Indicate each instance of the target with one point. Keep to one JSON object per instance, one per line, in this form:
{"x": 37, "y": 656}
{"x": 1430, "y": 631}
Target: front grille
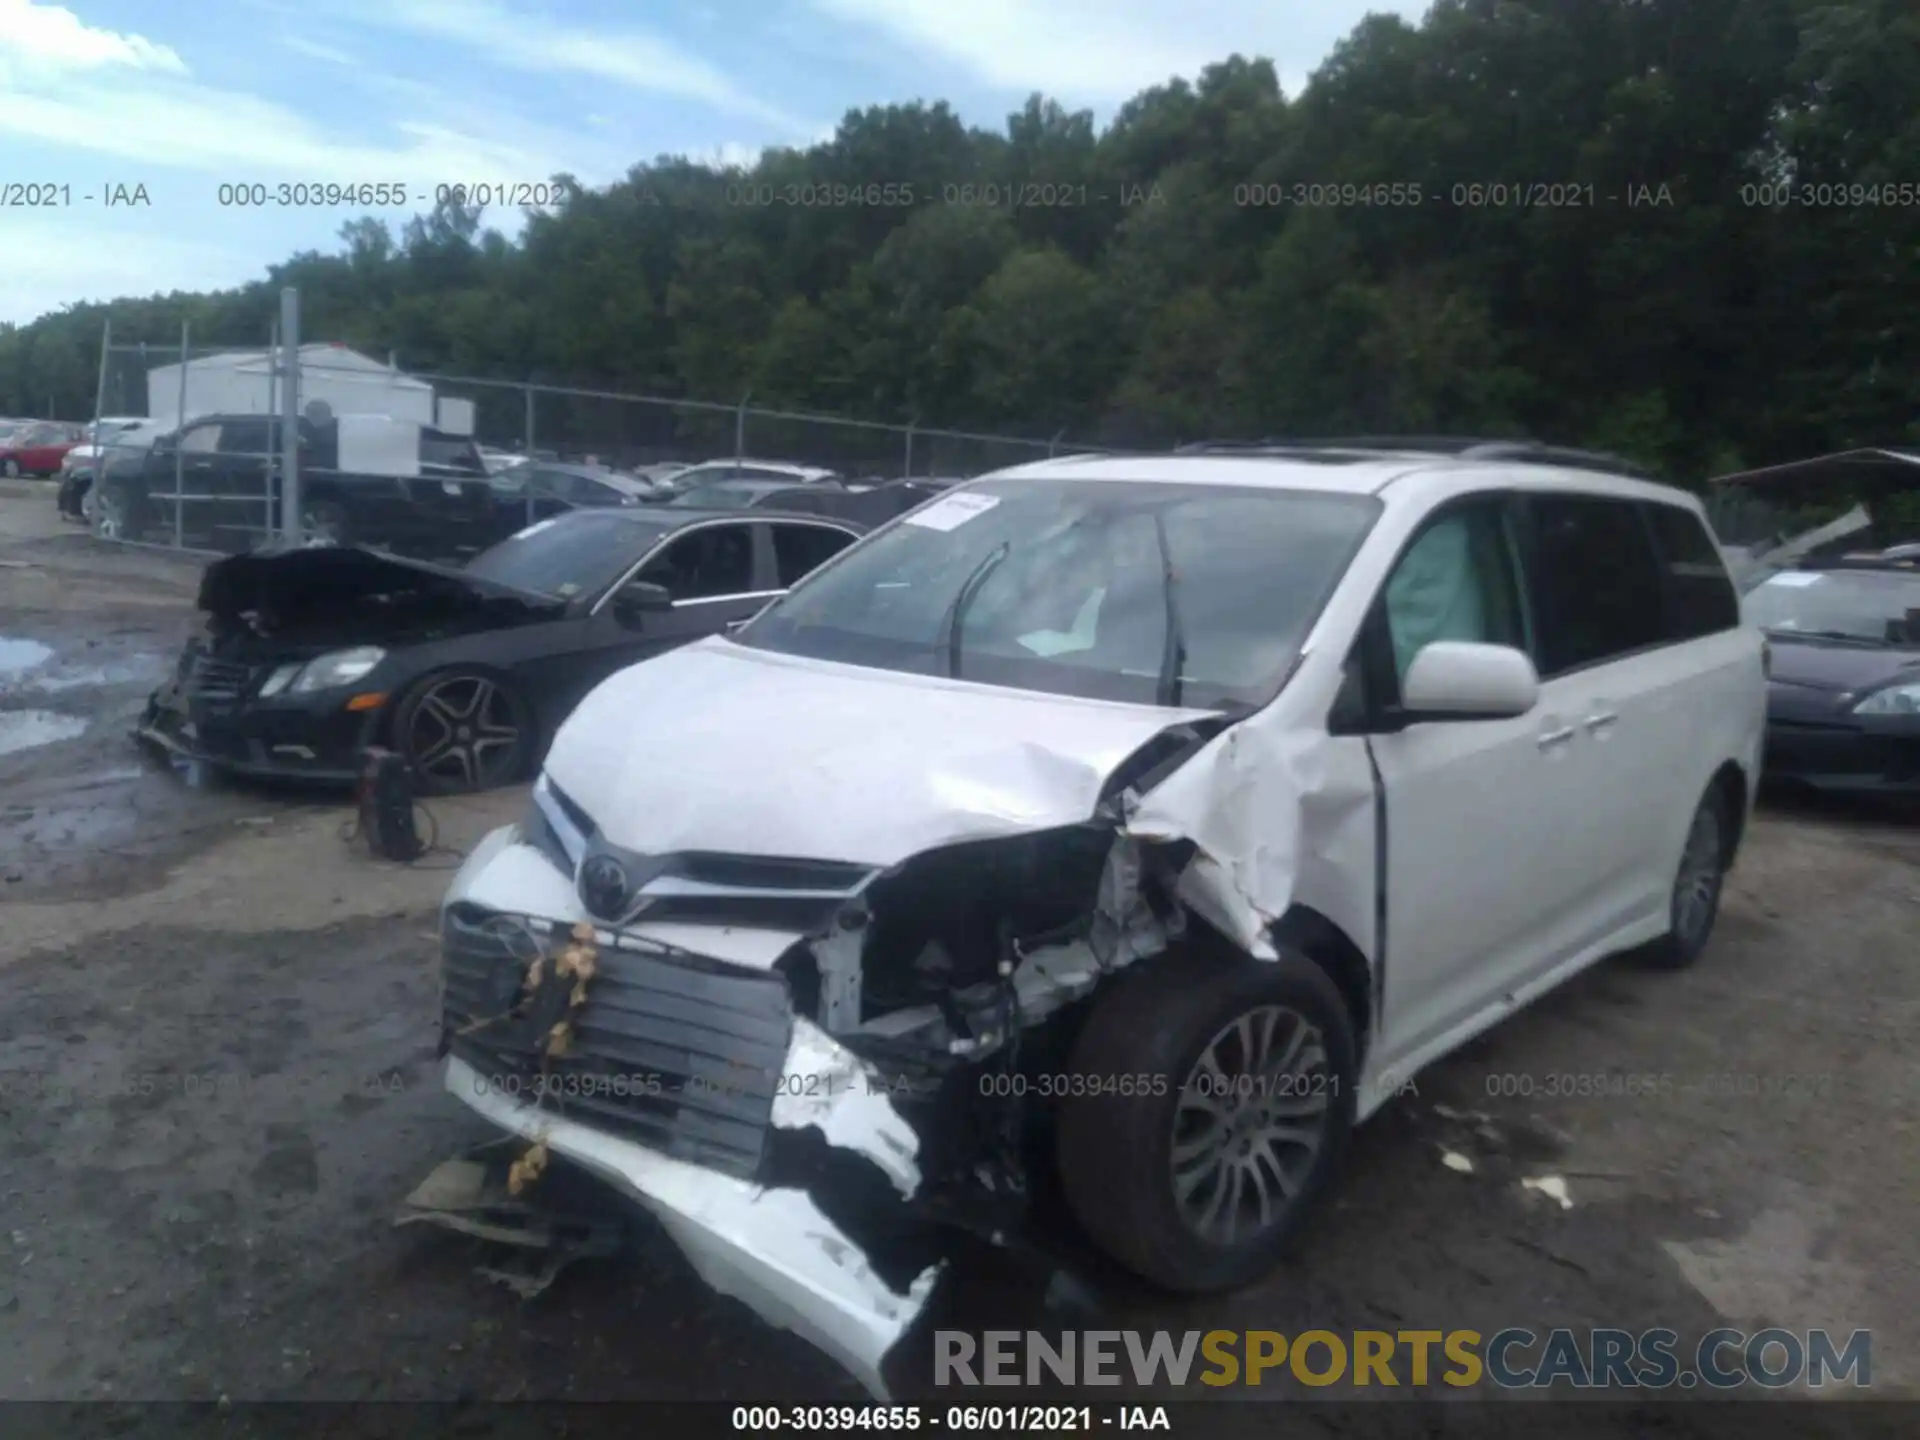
{"x": 217, "y": 680}
{"x": 673, "y": 1051}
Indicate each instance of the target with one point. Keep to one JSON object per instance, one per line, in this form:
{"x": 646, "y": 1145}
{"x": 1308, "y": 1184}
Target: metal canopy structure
{"x": 1874, "y": 467}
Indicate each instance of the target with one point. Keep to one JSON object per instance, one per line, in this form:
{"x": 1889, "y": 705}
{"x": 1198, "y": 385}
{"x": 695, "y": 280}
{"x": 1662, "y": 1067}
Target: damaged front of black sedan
{"x": 311, "y": 654}
{"x": 838, "y": 962}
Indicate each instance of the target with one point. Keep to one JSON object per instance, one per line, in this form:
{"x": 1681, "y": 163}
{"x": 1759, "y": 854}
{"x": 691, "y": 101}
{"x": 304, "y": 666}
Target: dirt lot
{"x": 216, "y": 1083}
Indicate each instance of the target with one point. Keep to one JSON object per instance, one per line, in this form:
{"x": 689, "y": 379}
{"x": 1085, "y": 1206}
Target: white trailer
{"x": 243, "y": 383}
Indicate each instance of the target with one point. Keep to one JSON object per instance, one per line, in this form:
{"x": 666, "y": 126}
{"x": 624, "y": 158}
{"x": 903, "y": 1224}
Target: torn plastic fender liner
{"x": 774, "y": 1250}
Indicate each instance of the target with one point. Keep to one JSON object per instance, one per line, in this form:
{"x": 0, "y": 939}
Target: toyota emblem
{"x": 603, "y": 886}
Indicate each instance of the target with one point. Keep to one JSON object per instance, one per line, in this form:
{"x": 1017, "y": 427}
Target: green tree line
{"x": 1683, "y": 230}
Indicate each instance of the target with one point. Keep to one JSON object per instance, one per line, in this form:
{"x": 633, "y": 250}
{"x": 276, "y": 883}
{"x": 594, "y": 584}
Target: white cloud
{"x": 182, "y": 126}
{"x": 51, "y": 38}
{"x": 316, "y": 50}
{"x": 53, "y": 262}
{"x": 543, "y": 44}
{"x": 1102, "y": 52}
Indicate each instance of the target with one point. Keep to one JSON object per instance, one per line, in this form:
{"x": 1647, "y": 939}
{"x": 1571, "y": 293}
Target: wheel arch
{"x": 1731, "y": 783}
{"x": 1313, "y": 935}
{"x": 433, "y": 668}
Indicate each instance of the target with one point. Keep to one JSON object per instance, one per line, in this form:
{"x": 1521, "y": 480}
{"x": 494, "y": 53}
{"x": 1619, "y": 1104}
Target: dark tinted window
{"x": 705, "y": 563}
{"x": 575, "y": 553}
{"x": 1700, "y": 595}
{"x": 1594, "y": 579}
{"x": 245, "y": 437}
{"x": 585, "y": 490}
{"x": 1456, "y": 581}
{"x": 800, "y": 548}
{"x": 440, "y": 451}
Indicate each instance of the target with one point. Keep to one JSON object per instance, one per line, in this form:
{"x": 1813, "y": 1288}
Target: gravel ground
{"x": 217, "y": 1082}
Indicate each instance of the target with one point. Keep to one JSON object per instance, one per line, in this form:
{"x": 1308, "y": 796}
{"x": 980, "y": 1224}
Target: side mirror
{"x": 1465, "y": 680}
{"x": 639, "y": 599}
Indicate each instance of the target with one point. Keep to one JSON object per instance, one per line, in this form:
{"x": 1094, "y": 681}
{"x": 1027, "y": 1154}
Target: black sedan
{"x": 310, "y": 655}
{"x": 1843, "y": 700}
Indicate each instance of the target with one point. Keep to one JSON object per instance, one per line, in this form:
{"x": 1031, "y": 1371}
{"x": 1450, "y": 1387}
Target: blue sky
{"x": 182, "y": 97}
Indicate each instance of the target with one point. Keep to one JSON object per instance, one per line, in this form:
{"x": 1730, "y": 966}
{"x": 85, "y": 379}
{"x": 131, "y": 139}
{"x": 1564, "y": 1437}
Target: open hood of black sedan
{"x": 348, "y": 588}
{"x": 1836, "y": 666}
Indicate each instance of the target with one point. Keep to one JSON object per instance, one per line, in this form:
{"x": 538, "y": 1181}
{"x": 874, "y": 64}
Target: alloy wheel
{"x": 1250, "y": 1120}
{"x": 464, "y": 732}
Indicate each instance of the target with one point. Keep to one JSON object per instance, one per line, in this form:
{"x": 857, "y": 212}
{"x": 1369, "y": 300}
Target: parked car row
{"x": 35, "y": 447}
{"x": 861, "y": 867}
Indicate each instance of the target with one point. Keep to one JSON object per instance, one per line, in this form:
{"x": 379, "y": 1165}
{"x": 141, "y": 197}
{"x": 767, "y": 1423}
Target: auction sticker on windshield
{"x": 950, "y": 512}
{"x": 1794, "y": 579}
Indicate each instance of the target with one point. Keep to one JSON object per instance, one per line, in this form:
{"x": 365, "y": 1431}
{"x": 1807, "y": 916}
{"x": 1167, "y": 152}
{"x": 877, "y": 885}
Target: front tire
{"x": 119, "y": 515}
{"x": 13, "y": 469}
{"x": 464, "y": 730}
{"x": 1203, "y": 1184}
{"x": 1694, "y": 904}
{"x": 326, "y": 520}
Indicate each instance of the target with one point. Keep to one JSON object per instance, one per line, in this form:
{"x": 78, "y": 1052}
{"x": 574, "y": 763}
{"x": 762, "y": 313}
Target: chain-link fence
{"x": 146, "y": 474}
{"x": 627, "y": 431}
{"x": 200, "y": 447}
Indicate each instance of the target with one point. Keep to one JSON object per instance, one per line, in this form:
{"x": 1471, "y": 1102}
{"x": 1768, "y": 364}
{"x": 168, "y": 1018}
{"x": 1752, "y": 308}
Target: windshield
{"x": 1878, "y": 606}
{"x": 578, "y": 553}
{"x": 1138, "y": 591}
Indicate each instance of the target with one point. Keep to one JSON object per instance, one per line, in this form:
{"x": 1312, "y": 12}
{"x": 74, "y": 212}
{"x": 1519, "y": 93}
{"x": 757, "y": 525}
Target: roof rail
{"x": 1525, "y": 451}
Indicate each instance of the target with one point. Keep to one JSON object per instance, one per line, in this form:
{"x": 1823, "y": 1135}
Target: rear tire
{"x": 464, "y": 730}
{"x": 1202, "y": 1183}
{"x": 13, "y": 469}
{"x": 1694, "y": 903}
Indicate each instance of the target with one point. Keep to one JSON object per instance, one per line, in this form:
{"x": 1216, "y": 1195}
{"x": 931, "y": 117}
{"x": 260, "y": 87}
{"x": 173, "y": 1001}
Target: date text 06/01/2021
{"x": 1007, "y": 1419}
{"x": 374, "y": 194}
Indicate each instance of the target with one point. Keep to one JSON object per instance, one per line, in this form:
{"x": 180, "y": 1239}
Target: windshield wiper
{"x": 1173, "y": 659}
{"x": 963, "y": 598}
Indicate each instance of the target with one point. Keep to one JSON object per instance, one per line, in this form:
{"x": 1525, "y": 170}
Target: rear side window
{"x": 800, "y": 548}
{"x": 1595, "y": 581}
{"x": 1700, "y": 596}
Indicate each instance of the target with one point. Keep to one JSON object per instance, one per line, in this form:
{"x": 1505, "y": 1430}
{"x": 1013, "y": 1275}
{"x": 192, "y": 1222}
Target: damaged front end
{"x": 270, "y": 685}
{"x": 817, "y": 1075}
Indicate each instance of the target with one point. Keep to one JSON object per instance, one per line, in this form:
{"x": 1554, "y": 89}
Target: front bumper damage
{"x": 807, "y": 1047}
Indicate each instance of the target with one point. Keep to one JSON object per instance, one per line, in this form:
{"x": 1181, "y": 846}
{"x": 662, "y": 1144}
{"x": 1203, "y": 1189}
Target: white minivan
{"x": 1121, "y": 828}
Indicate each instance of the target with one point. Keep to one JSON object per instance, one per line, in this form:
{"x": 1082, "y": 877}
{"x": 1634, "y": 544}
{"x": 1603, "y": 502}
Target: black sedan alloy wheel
{"x": 463, "y": 731}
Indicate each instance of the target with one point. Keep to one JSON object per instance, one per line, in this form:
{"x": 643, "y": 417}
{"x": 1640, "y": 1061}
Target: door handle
{"x": 1600, "y": 720}
{"x": 1550, "y": 738}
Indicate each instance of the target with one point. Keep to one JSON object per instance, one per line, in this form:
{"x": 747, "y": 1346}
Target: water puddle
{"x": 97, "y": 676}
{"x": 19, "y": 656}
{"x": 25, "y": 729}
